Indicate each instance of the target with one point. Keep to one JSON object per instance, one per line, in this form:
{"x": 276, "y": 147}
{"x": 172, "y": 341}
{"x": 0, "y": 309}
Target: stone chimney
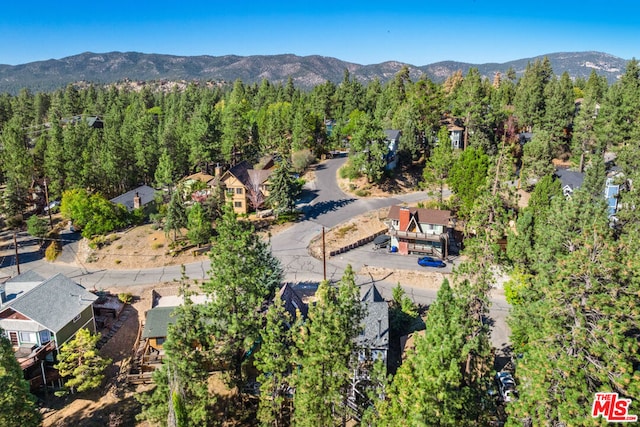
{"x": 218, "y": 170}
{"x": 136, "y": 201}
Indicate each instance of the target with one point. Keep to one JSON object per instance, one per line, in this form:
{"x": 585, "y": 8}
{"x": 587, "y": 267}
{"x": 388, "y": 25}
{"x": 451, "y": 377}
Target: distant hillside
{"x": 306, "y": 71}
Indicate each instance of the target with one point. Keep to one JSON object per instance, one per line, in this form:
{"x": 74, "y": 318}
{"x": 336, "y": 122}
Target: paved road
{"x": 324, "y": 205}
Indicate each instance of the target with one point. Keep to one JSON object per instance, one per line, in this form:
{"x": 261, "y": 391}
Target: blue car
{"x": 427, "y": 261}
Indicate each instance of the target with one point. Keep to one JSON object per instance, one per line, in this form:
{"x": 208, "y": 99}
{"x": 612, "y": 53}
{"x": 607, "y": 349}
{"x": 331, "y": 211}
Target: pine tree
{"x": 529, "y": 101}
{"x": 431, "y": 387}
{"x": 164, "y": 172}
{"x": 438, "y": 164}
{"x": 368, "y": 148}
{"x": 467, "y": 176}
{"x": 325, "y": 345}
{"x": 243, "y": 276}
{"x": 17, "y": 405}
{"x": 80, "y": 363}
{"x": 176, "y": 218}
{"x": 536, "y": 159}
{"x": 575, "y": 326}
{"x": 189, "y": 358}
{"x": 199, "y": 229}
{"x": 274, "y": 361}
{"x": 282, "y": 189}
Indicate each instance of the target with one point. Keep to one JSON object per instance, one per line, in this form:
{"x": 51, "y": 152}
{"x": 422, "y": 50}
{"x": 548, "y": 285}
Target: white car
{"x": 53, "y": 205}
{"x": 506, "y": 386}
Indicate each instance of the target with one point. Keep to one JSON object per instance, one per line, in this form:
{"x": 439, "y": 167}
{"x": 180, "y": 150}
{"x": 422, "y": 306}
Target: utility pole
{"x": 46, "y": 199}
{"x": 324, "y": 258}
{"x": 15, "y": 245}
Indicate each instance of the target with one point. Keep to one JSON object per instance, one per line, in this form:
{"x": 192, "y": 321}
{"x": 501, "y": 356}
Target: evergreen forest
{"x": 573, "y": 264}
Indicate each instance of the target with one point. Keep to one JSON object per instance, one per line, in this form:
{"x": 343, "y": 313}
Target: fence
{"x": 357, "y": 244}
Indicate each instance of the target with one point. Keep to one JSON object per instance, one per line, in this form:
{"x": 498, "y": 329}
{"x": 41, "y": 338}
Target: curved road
{"x": 324, "y": 205}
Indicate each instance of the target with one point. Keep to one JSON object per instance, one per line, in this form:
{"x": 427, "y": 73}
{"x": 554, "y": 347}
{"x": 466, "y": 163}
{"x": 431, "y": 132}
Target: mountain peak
{"x": 306, "y": 71}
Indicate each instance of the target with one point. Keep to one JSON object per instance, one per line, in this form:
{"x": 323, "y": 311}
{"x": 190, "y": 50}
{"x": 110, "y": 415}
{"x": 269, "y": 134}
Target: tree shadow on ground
{"x": 321, "y": 208}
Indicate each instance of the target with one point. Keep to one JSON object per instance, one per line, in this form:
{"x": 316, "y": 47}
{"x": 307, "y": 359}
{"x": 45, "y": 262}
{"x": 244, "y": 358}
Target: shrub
{"x": 349, "y": 171}
{"x": 53, "y": 250}
{"x": 300, "y": 160}
{"x": 362, "y": 192}
{"x": 125, "y": 297}
{"x": 157, "y": 245}
{"x": 98, "y": 242}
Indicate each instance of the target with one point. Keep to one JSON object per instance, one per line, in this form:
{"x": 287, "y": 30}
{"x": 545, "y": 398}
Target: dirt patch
{"x": 405, "y": 181}
{"x": 414, "y": 279}
{"x": 139, "y": 247}
{"x": 114, "y": 403}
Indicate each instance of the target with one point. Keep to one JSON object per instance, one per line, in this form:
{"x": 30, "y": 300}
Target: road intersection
{"x": 324, "y": 204}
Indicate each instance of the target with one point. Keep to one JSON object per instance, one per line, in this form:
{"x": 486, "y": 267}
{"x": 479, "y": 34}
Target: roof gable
{"x": 246, "y": 175}
{"x": 292, "y": 301}
{"x": 53, "y": 303}
{"x": 375, "y": 333}
{"x": 422, "y": 216}
{"x": 371, "y": 294}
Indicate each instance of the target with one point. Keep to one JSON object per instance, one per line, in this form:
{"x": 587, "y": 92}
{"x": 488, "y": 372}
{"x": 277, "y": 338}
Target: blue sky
{"x": 419, "y": 33}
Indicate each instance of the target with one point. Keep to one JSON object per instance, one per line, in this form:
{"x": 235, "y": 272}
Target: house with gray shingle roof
{"x": 34, "y": 312}
{"x": 39, "y": 316}
{"x": 373, "y": 341}
{"x": 137, "y": 198}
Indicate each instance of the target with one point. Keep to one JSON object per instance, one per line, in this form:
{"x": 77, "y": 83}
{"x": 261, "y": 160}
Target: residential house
{"x": 614, "y": 183}
{"x": 246, "y": 188}
{"x": 373, "y": 342}
{"x": 292, "y": 302}
{"x": 39, "y": 316}
{"x": 94, "y": 122}
{"x": 524, "y": 137}
{"x": 393, "y": 140}
{"x": 371, "y": 345}
{"x": 192, "y": 186}
{"x": 149, "y": 351}
{"x": 137, "y": 198}
{"x": 570, "y": 180}
{"x": 456, "y": 132}
{"x": 418, "y": 230}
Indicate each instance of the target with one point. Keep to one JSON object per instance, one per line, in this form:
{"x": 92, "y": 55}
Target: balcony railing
{"x": 415, "y": 236}
{"x": 37, "y": 355}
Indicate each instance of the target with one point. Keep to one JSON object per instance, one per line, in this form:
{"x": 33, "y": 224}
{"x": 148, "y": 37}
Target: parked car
{"x": 506, "y": 386}
{"x": 381, "y": 241}
{"x": 53, "y": 206}
{"x": 427, "y": 261}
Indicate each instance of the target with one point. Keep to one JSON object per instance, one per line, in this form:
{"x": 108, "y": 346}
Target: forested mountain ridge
{"x": 305, "y": 71}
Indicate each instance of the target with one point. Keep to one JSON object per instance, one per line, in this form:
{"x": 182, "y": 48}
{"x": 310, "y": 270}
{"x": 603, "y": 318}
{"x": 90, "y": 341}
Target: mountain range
{"x": 305, "y": 71}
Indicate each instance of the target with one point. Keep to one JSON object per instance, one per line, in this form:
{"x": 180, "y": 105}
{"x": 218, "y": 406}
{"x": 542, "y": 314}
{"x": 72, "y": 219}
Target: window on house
{"x": 237, "y": 204}
{"x": 75, "y": 319}
{"x": 238, "y": 190}
{"x": 229, "y": 191}
{"x": 28, "y": 337}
